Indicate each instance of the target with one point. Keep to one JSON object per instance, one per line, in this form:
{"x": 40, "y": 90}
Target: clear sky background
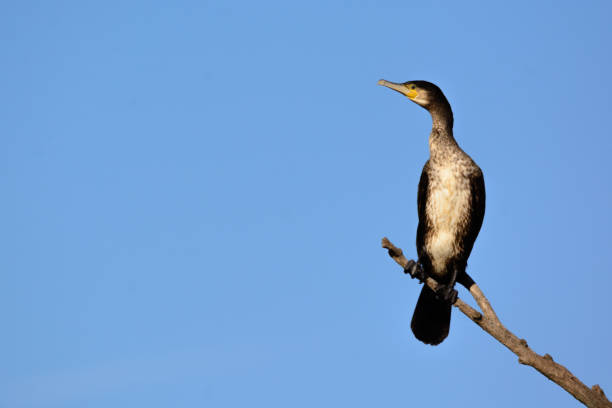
{"x": 194, "y": 193}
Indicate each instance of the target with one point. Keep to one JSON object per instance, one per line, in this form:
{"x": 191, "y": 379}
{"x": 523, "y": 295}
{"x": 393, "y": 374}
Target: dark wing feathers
{"x": 421, "y": 205}
{"x": 477, "y": 211}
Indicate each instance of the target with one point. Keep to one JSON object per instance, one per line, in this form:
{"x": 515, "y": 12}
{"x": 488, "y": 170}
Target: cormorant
{"x": 451, "y": 207}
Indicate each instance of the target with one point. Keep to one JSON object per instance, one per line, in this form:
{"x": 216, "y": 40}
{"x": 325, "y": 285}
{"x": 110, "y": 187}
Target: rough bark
{"x": 488, "y": 321}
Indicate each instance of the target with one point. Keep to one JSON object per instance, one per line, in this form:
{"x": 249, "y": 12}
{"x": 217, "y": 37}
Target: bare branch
{"x": 488, "y": 321}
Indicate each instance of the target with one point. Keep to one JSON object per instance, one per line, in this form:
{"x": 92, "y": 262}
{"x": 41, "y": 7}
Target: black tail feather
{"x": 431, "y": 318}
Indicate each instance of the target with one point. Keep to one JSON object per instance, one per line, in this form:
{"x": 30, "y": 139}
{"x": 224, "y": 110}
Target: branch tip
{"x": 394, "y": 252}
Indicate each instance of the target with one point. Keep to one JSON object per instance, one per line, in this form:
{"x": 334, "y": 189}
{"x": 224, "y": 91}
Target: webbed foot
{"x": 415, "y": 270}
{"x": 447, "y": 293}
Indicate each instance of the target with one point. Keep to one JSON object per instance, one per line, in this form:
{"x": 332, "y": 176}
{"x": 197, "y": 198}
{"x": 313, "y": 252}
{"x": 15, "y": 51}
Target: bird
{"x": 451, "y": 207}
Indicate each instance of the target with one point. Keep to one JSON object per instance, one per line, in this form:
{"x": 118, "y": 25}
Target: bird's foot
{"x": 447, "y": 293}
{"x": 415, "y": 270}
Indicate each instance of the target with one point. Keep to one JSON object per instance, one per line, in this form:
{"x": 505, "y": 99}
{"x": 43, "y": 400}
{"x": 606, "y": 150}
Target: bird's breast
{"x": 447, "y": 209}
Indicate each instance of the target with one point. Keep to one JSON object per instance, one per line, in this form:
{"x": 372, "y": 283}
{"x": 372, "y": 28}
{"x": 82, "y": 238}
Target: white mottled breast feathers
{"x": 448, "y": 207}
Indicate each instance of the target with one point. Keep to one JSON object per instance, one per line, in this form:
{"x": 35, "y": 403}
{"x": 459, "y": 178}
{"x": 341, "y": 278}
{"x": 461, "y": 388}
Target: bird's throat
{"x": 441, "y": 140}
{"x": 442, "y": 116}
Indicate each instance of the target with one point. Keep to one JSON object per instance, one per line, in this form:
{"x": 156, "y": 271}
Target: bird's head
{"x": 422, "y": 93}
{"x": 427, "y": 95}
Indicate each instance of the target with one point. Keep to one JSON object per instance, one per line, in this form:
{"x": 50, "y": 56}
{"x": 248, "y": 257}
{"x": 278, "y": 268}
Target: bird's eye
{"x": 412, "y": 86}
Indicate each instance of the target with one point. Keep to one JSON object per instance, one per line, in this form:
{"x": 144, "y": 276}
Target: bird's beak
{"x": 396, "y": 87}
{"x": 401, "y": 88}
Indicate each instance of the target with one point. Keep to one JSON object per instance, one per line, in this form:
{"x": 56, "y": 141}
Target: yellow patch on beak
{"x": 412, "y": 93}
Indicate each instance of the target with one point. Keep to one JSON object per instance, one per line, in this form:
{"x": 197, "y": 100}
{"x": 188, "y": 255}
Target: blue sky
{"x": 194, "y": 195}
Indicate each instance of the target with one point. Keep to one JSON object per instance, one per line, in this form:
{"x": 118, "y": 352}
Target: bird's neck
{"x": 441, "y": 141}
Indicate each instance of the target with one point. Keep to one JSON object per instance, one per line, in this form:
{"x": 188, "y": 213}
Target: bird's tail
{"x": 431, "y": 318}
